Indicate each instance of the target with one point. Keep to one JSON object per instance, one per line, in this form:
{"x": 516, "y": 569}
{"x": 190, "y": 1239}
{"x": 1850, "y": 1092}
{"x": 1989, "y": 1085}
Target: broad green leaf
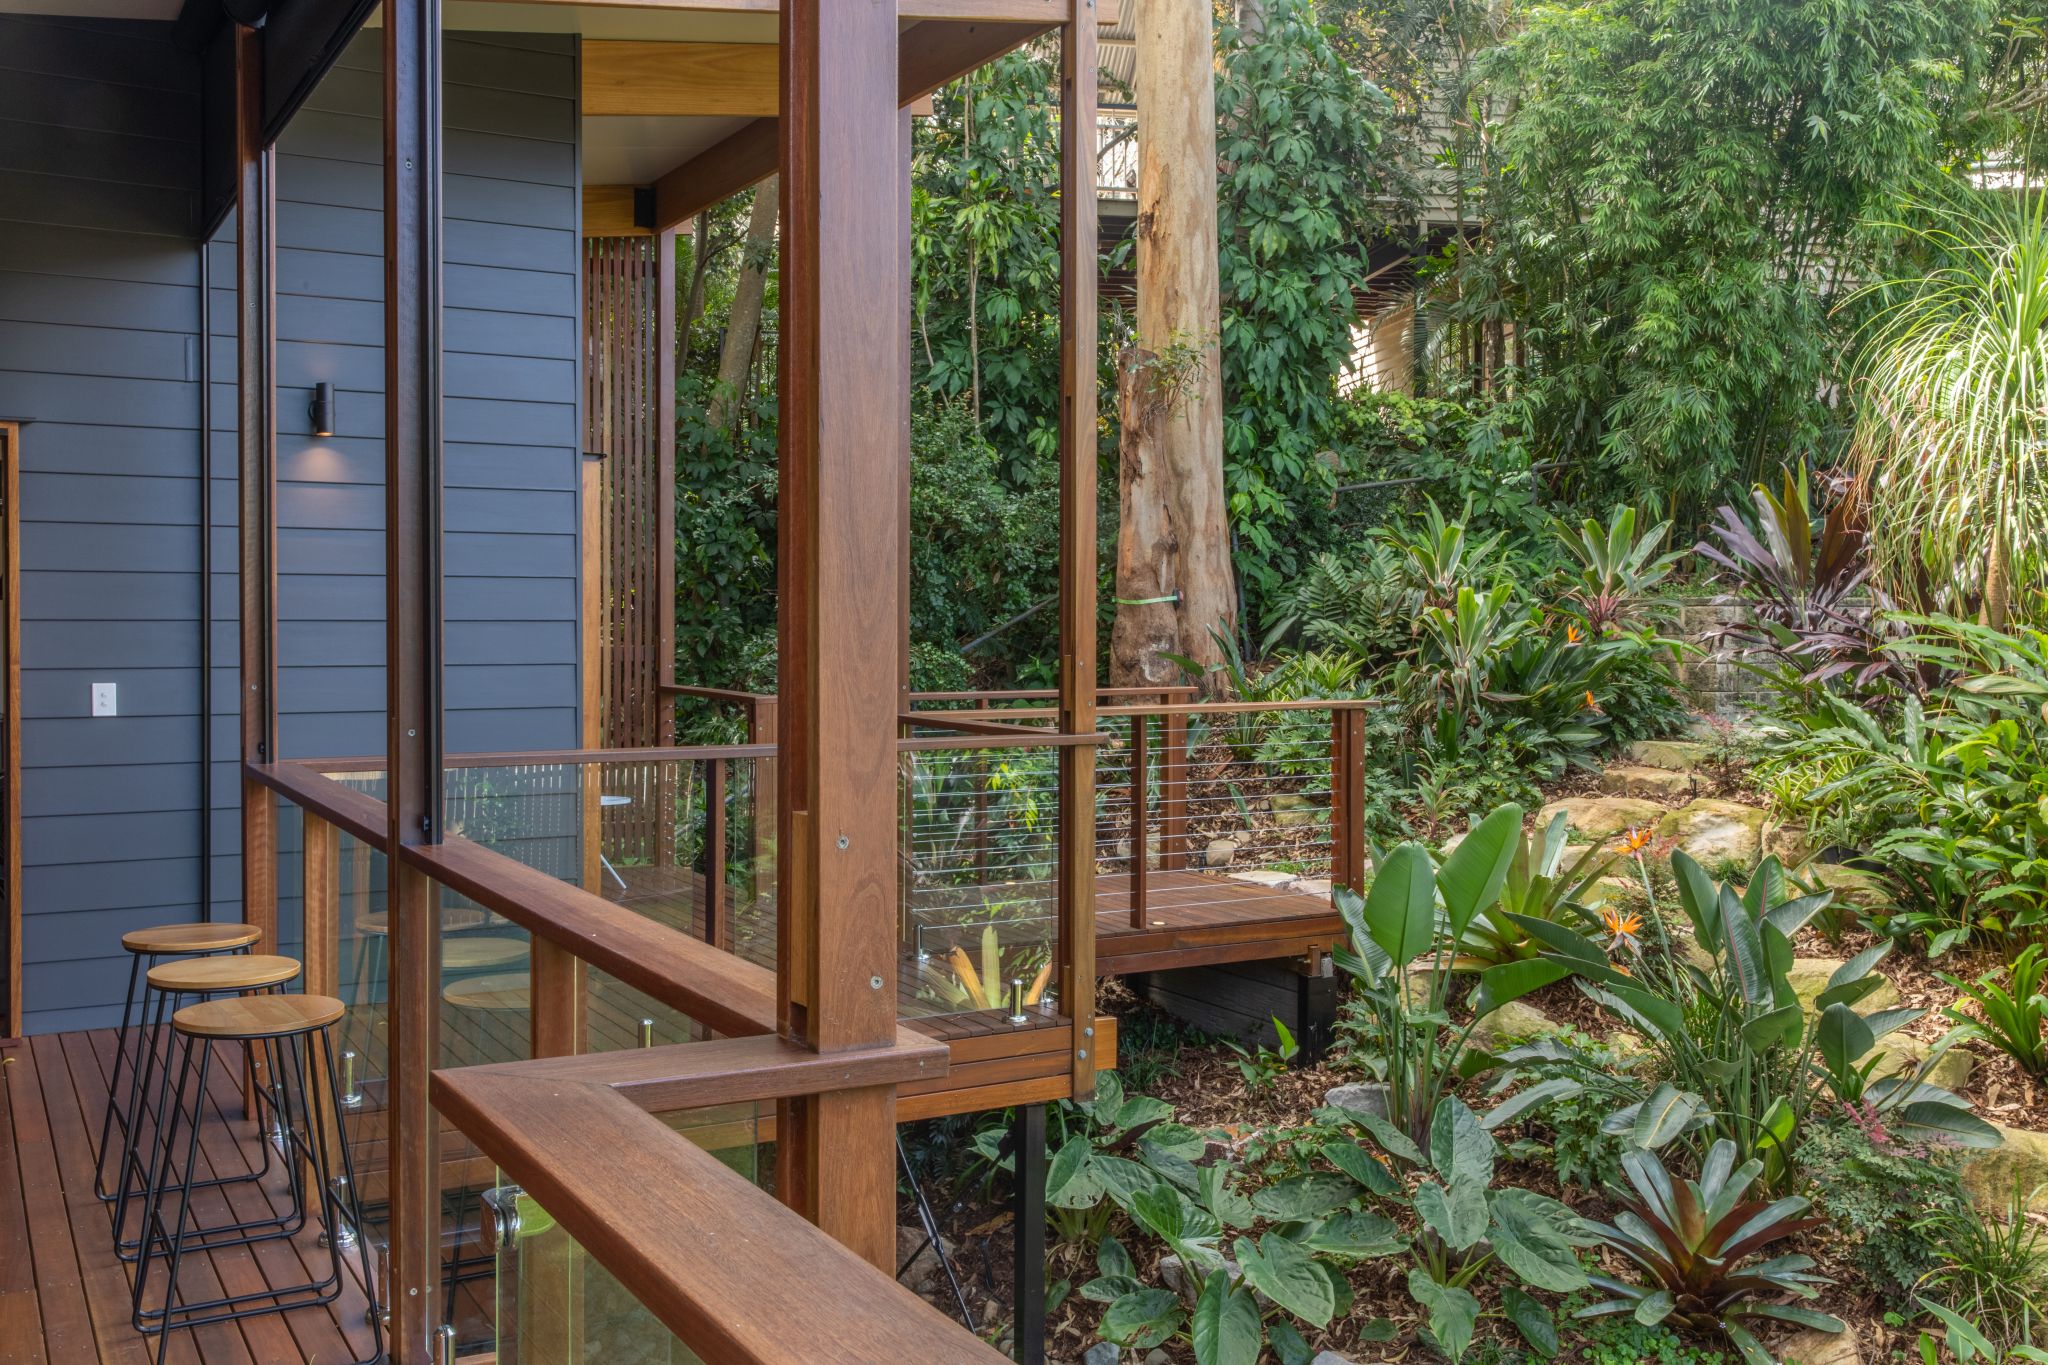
{"x": 1512, "y": 980}
{"x": 1654, "y": 1308}
{"x": 1396, "y": 1143}
{"x": 1767, "y": 1031}
{"x": 1068, "y": 1184}
{"x": 1927, "y": 1120}
{"x": 1355, "y": 1234}
{"x": 1139, "y": 1111}
{"x": 1664, "y": 1116}
{"x": 1452, "y": 1312}
{"x": 1143, "y": 1318}
{"x": 1530, "y": 1097}
{"x": 1226, "y": 1326}
{"x": 1459, "y": 1147}
{"x": 1109, "y": 1288}
{"x": 1470, "y": 879}
{"x": 1304, "y": 1196}
{"x": 1745, "y": 950}
{"x": 1531, "y": 1319}
{"x": 1284, "y": 1273}
{"x": 1287, "y": 1343}
{"x": 1362, "y": 1166}
{"x": 1111, "y": 1259}
{"x": 1109, "y": 1098}
{"x": 1698, "y": 895}
{"x": 1843, "y": 1038}
{"x": 1535, "y": 1237}
{"x": 1121, "y": 1176}
{"x": 1400, "y": 908}
{"x": 1662, "y": 1019}
{"x": 1222, "y": 1198}
{"x": 1859, "y": 966}
{"x": 1457, "y": 1215}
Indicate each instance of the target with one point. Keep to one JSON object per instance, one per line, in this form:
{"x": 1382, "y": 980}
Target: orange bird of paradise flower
{"x": 1634, "y": 841}
{"x": 1593, "y": 705}
{"x": 1620, "y": 925}
{"x": 1572, "y": 637}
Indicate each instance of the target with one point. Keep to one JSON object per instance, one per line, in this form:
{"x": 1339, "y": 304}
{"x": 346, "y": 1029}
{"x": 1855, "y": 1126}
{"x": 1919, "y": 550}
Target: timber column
{"x": 841, "y": 632}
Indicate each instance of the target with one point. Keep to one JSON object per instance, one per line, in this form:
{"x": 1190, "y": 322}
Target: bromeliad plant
{"x": 1691, "y": 1239}
{"x": 1742, "y": 1056}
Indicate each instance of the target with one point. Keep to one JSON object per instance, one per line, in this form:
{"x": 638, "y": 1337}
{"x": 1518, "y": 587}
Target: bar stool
{"x": 499, "y": 993}
{"x": 285, "y": 1029}
{"x": 165, "y": 985}
{"x": 145, "y": 948}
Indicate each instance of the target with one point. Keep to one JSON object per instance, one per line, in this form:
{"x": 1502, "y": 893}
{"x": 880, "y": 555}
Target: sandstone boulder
{"x": 1657, "y": 784}
{"x": 1716, "y": 833}
{"x": 1599, "y": 817}
{"x": 2022, "y": 1160}
{"x": 1677, "y": 755}
{"x": 1809, "y": 977}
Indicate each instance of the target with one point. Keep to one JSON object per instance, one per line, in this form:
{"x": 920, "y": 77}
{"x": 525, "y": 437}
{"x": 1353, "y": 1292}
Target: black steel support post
{"x": 1027, "y": 1140}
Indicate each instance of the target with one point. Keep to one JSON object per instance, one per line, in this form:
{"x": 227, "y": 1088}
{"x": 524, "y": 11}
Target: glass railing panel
{"x": 979, "y": 913}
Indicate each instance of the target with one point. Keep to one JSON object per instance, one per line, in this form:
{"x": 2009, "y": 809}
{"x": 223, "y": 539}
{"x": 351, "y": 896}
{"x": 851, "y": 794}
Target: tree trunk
{"x": 1174, "y": 535}
{"x": 693, "y": 301}
{"x": 743, "y": 326}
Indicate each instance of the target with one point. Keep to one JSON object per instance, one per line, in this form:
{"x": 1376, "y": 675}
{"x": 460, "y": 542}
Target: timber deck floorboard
{"x": 64, "y": 1296}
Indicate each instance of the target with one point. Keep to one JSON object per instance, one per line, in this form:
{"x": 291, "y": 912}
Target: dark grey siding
{"x": 99, "y": 314}
{"x": 99, "y": 348}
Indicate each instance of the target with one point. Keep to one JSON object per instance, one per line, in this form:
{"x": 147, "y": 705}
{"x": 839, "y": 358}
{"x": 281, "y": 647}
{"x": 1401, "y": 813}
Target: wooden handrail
{"x": 341, "y": 805}
{"x": 1208, "y": 708}
{"x": 689, "y": 753}
{"x": 713, "y": 1257}
{"x": 724, "y": 694}
{"x": 1049, "y": 693}
{"x": 680, "y": 1076}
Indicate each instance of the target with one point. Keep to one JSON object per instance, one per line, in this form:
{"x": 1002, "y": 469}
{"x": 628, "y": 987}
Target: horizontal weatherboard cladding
{"x": 101, "y": 352}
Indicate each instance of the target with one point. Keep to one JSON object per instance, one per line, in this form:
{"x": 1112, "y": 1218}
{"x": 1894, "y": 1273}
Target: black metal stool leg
{"x": 128, "y": 1011}
{"x": 148, "y": 1236}
{"x": 340, "y": 1206}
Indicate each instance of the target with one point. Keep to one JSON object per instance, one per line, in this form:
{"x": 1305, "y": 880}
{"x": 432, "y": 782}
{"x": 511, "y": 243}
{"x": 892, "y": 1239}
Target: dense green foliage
{"x": 1676, "y": 198}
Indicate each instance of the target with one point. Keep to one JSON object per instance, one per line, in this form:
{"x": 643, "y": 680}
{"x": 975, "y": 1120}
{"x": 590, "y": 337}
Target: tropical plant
{"x": 1465, "y": 1224}
{"x": 1402, "y": 964}
{"x": 1969, "y": 1345}
{"x": 1540, "y": 884}
{"x": 1952, "y": 417}
{"x": 1313, "y": 1230}
{"x": 1994, "y": 1269}
{"x": 1618, "y": 571}
{"x": 1740, "y": 1055}
{"x": 1692, "y": 1237}
{"x": 1260, "y": 1066}
{"x": 2011, "y": 1015}
{"x": 1802, "y": 598}
{"x": 1861, "y": 1177}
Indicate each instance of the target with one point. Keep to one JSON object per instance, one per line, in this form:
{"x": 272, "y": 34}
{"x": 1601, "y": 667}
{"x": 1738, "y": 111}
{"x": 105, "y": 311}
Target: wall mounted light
{"x": 321, "y": 409}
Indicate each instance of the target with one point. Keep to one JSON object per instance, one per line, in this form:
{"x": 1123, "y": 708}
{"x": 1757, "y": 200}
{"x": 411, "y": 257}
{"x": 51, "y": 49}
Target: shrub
{"x": 1863, "y": 1180}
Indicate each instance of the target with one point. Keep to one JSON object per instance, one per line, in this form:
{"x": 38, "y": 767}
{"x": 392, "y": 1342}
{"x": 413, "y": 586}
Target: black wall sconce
{"x": 321, "y": 409}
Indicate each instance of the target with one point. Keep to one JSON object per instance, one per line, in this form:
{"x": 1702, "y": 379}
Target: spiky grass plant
{"x": 1952, "y": 410}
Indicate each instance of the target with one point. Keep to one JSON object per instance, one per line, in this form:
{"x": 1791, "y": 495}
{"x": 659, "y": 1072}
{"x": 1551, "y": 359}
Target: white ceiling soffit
{"x": 639, "y": 151}
{"x": 95, "y": 9}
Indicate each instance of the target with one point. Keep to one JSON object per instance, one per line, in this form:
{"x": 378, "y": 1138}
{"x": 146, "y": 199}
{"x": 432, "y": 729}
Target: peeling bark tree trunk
{"x": 1175, "y": 534}
{"x": 743, "y": 326}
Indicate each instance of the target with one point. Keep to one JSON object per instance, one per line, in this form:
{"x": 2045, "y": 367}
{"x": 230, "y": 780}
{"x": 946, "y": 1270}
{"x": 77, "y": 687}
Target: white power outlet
{"x": 103, "y": 701}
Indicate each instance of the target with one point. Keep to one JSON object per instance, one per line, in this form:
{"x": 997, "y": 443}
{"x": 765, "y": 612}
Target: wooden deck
{"x": 64, "y": 1296}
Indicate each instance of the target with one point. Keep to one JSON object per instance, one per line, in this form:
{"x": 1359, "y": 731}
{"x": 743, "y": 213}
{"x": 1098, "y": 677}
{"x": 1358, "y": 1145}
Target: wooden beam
{"x": 678, "y": 79}
{"x": 611, "y": 211}
{"x": 1077, "y": 535}
{"x": 929, "y": 55}
{"x": 840, "y": 637}
{"x": 10, "y": 740}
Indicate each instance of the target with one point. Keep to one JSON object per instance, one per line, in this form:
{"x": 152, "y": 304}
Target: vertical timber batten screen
{"x": 627, "y": 321}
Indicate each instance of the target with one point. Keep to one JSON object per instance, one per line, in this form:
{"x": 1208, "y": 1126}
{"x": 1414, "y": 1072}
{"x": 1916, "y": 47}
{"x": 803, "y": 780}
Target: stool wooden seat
{"x": 474, "y": 954}
{"x": 504, "y": 991}
{"x": 213, "y": 975}
{"x": 257, "y": 1016}
{"x": 452, "y": 921}
{"x": 190, "y": 938}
